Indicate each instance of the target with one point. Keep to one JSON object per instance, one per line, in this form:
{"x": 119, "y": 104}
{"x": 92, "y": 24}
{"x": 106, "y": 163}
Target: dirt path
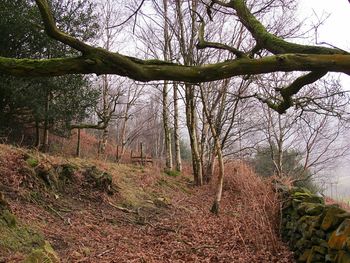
{"x": 83, "y": 224}
{"x": 94, "y": 231}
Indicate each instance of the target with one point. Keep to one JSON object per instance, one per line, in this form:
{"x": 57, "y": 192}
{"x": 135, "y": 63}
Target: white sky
{"x": 335, "y": 31}
{"x": 336, "y": 28}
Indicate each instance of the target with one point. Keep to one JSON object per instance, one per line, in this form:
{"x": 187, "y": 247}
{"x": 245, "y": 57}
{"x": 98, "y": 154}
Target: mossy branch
{"x": 111, "y": 63}
{"x": 100, "y": 61}
{"x": 288, "y": 92}
{"x": 52, "y": 30}
{"x": 270, "y": 42}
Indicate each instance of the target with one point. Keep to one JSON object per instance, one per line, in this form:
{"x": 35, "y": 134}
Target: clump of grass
{"x": 172, "y": 173}
{"x": 32, "y": 162}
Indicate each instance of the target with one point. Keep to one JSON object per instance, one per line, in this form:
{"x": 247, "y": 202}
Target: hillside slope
{"x": 92, "y": 211}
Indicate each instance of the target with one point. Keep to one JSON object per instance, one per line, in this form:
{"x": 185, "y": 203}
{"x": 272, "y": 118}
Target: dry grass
{"x": 259, "y": 205}
{"x": 178, "y": 229}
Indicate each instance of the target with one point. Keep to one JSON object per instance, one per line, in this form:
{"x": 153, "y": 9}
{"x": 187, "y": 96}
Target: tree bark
{"x": 167, "y": 56}
{"x": 105, "y": 115}
{"x": 191, "y": 121}
{"x": 103, "y": 142}
{"x": 122, "y": 138}
{"x": 176, "y": 131}
{"x": 77, "y": 153}
{"x": 45, "y": 143}
{"x": 37, "y": 134}
{"x": 167, "y": 132}
{"x": 104, "y": 62}
{"x": 216, "y": 204}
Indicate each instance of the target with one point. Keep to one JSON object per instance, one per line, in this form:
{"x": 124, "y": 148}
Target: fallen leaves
{"x": 100, "y": 230}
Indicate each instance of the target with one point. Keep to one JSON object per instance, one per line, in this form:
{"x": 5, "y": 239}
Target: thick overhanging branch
{"x": 100, "y": 61}
{"x": 52, "y": 30}
{"x": 144, "y": 70}
{"x": 269, "y": 41}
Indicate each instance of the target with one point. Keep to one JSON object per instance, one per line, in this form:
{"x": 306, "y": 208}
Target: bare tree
{"x": 111, "y": 87}
{"x": 218, "y": 148}
{"x": 129, "y": 109}
{"x": 313, "y": 129}
{"x": 178, "y": 160}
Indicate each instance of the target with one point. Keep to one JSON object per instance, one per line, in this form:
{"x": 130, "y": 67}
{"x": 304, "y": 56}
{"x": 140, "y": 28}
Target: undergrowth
{"x": 98, "y": 211}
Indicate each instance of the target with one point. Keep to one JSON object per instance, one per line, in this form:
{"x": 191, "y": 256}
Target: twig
{"x": 56, "y": 212}
{"x": 126, "y": 210}
{"x": 203, "y": 247}
{"x": 105, "y": 252}
{"x": 134, "y": 13}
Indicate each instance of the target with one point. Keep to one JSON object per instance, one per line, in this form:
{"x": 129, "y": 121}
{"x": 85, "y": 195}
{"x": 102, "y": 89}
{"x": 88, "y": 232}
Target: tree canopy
{"x": 34, "y": 101}
{"x": 281, "y": 56}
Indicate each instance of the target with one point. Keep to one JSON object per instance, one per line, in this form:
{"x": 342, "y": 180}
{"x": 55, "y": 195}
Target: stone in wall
{"x": 314, "y": 231}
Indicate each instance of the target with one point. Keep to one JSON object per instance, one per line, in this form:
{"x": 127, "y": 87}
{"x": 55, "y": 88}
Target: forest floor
{"x": 145, "y": 216}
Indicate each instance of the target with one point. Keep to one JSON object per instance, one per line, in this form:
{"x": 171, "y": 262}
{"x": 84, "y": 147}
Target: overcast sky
{"x": 335, "y": 31}
{"x": 336, "y": 28}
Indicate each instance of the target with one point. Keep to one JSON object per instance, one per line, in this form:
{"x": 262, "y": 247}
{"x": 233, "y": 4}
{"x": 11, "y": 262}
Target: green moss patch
{"x": 32, "y": 162}
{"x": 17, "y": 238}
{"x": 43, "y": 254}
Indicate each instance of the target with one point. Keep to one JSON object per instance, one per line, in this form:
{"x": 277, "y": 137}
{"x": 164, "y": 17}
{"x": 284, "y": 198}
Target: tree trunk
{"x": 45, "y": 143}
{"x": 78, "y": 144}
{"x": 191, "y": 122}
{"x": 122, "y": 138}
{"x": 103, "y": 142}
{"x": 105, "y": 112}
{"x": 216, "y": 204}
{"x": 167, "y": 133}
{"x": 205, "y": 155}
{"x": 280, "y": 148}
{"x": 176, "y": 132}
{"x": 37, "y": 135}
{"x": 210, "y": 166}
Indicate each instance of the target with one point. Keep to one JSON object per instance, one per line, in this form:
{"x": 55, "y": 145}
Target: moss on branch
{"x": 100, "y": 61}
{"x": 288, "y": 92}
{"x": 269, "y": 41}
{"x": 110, "y": 63}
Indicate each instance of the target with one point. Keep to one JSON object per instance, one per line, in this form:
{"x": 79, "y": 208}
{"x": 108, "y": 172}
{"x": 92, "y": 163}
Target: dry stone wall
{"x": 314, "y": 231}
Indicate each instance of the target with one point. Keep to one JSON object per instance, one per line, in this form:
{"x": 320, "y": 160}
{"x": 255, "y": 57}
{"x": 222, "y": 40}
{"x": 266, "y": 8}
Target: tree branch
{"x": 295, "y": 87}
{"x": 52, "y": 30}
{"x": 98, "y": 126}
{"x": 100, "y": 61}
{"x": 291, "y": 90}
{"x": 133, "y": 14}
{"x": 202, "y": 43}
{"x": 105, "y": 62}
{"x": 269, "y": 41}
